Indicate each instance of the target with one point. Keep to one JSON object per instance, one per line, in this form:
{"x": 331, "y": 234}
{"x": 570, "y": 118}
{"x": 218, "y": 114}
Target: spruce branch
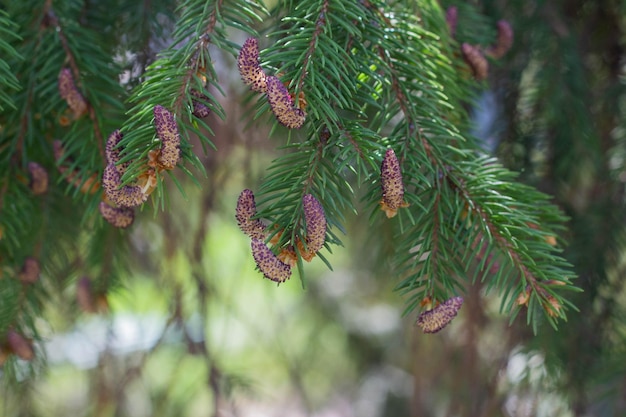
{"x": 179, "y": 81}
{"x": 8, "y": 80}
{"x": 433, "y": 154}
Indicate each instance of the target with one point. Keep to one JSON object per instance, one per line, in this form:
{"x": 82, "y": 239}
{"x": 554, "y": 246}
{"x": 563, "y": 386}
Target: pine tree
{"x": 367, "y": 102}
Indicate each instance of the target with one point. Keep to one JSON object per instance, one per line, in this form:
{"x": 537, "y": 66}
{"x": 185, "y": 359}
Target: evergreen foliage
{"x": 369, "y": 75}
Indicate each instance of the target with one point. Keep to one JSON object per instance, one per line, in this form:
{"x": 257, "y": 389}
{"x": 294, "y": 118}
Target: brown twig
{"x": 319, "y": 27}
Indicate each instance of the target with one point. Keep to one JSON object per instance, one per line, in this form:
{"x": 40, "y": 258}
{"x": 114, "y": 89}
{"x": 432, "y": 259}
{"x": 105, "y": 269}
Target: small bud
{"x": 246, "y": 209}
{"x": 288, "y": 256}
{"x": 282, "y": 104}
{"x": 434, "y": 320}
{"x": 38, "y": 178}
{"x": 503, "y": 42}
{"x": 120, "y": 217}
{"x": 30, "y": 271}
{"x": 200, "y": 109}
{"x": 69, "y": 92}
{"x": 451, "y": 19}
{"x": 524, "y": 297}
{"x": 248, "y": 63}
{"x": 552, "y": 306}
{"x": 391, "y": 184}
{"x": 20, "y": 345}
{"x": 476, "y": 60}
{"x": 167, "y": 131}
{"x": 271, "y": 267}
{"x": 126, "y": 196}
{"x": 315, "y": 219}
{"x": 84, "y": 295}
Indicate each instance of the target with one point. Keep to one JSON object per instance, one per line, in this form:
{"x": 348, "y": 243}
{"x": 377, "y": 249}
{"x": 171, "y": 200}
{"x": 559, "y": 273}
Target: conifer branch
{"x": 53, "y": 21}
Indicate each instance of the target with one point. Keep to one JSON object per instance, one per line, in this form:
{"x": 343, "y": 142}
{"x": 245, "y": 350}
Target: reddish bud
{"x": 476, "y": 60}
{"x": 451, "y": 19}
{"x": 503, "y": 42}
{"x": 69, "y": 92}
{"x": 20, "y": 345}
{"x": 552, "y": 306}
{"x": 38, "y": 178}
{"x": 30, "y": 271}
{"x": 434, "y": 320}
{"x": 200, "y": 109}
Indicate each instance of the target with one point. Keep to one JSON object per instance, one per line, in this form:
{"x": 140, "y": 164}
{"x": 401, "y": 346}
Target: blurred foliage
{"x": 170, "y": 318}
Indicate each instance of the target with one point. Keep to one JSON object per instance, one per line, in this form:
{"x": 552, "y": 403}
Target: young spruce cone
{"x": 248, "y": 63}
{"x": 271, "y": 267}
{"x": 246, "y": 209}
{"x": 391, "y": 184}
{"x": 315, "y": 219}
{"x": 282, "y": 104}
{"x": 476, "y": 60}
{"x": 503, "y": 42}
{"x": 38, "y": 178}
{"x": 126, "y": 196}
{"x": 434, "y": 320}
{"x": 167, "y": 131}
{"x": 69, "y": 92}
{"x": 120, "y": 217}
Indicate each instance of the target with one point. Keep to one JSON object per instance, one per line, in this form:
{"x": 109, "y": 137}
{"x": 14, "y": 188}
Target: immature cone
{"x": 69, "y": 92}
{"x": 120, "y": 217}
{"x": 126, "y": 196}
{"x": 476, "y": 60}
{"x": 271, "y": 267}
{"x": 246, "y": 209}
{"x": 282, "y": 104}
{"x": 200, "y": 109}
{"x": 38, "y": 178}
{"x": 112, "y": 152}
{"x": 451, "y": 19}
{"x": 30, "y": 271}
{"x": 315, "y": 219}
{"x": 248, "y": 63}
{"x": 19, "y": 345}
{"x": 391, "y": 184}
{"x": 167, "y": 131}
{"x": 434, "y": 320}
{"x": 503, "y": 42}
